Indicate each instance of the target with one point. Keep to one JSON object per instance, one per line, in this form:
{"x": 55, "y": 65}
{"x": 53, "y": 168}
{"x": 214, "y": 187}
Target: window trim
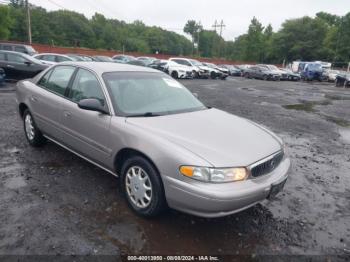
{"x": 105, "y": 94}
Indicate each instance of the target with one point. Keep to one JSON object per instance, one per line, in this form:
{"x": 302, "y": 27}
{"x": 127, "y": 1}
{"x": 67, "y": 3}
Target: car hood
{"x": 222, "y": 139}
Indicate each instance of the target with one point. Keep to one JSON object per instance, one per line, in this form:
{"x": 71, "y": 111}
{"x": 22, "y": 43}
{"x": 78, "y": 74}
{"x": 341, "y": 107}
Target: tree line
{"x": 324, "y": 37}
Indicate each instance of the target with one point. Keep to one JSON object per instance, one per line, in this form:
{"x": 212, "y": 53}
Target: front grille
{"x": 267, "y": 166}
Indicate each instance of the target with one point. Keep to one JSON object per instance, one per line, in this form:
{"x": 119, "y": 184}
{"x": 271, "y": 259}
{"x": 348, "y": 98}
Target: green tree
{"x": 254, "y": 41}
{"x": 5, "y": 22}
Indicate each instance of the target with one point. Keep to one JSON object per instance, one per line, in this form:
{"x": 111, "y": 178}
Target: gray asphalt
{"x": 53, "y": 202}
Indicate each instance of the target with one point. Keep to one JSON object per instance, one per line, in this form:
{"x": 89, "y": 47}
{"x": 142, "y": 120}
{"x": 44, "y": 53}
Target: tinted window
{"x": 20, "y": 49}
{"x": 86, "y": 86}
{"x": 59, "y": 79}
{"x": 62, "y": 59}
{"x": 7, "y": 47}
{"x": 16, "y": 58}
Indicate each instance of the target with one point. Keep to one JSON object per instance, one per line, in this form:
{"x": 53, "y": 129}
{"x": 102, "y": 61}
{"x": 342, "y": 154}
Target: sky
{"x": 173, "y": 15}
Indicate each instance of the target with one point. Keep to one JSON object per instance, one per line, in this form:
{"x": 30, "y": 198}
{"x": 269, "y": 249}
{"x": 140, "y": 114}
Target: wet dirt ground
{"x": 53, "y": 202}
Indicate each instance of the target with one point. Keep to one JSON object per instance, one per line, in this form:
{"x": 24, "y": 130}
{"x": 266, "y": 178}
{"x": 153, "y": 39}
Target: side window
{"x": 2, "y": 57}
{"x": 20, "y": 49}
{"x": 16, "y": 58}
{"x": 59, "y": 79}
{"x": 49, "y": 58}
{"x": 7, "y": 47}
{"x": 86, "y": 86}
{"x": 61, "y": 59}
{"x": 39, "y": 57}
{"x": 44, "y": 80}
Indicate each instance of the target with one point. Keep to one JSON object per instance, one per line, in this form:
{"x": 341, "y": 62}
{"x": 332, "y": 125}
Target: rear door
{"x": 87, "y": 132}
{"x": 46, "y": 101}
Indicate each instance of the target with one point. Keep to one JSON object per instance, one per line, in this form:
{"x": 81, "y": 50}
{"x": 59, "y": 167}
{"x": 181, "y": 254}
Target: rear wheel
{"x": 33, "y": 134}
{"x": 212, "y": 75}
{"x": 265, "y": 77}
{"x": 142, "y": 187}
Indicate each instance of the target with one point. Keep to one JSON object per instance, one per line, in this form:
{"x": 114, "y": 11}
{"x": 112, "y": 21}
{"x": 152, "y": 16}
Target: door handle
{"x": 34, "y": 99}
{"x": 67, "y": 114}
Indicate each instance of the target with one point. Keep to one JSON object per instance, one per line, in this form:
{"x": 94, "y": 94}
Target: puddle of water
{"x": 338, "y": 121}
{"x": 15, "y": 182}
{"x": 303, "y": 107}
{"x": 307, "y": 106}
{"x": 345, "y": 134}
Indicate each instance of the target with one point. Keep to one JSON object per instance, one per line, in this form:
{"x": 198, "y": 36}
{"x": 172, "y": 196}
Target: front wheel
{"x": 33, "y": 134}
{"x": 142, "y": 187}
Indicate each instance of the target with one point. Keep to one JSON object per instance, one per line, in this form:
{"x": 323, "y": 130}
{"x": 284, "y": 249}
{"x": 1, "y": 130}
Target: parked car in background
{"x": 198, "y": 69}
{"x": 19, "y": 65}
{"x": 283, "y": 74}
{"x": 147, "y": 59}
{"x": 343, "y": 80}
{"x": 216, "y": 72}
{"x": 2, "y": 76}
{"x": 232, "y": 70}
{"x": 311, "y": 71}
{"x": 178, "y": 71}
{"x": 52, "y": 58}
{"x": 291, "y": 76}
{"x": 264, "y": 73}
{"x": 137, "y": 62}
{"x": 243, "y": 68}
{"x": 25, "y": 49}
{"x": 330, "y": 75}
{"x": 102, "y": 58}
{"x": 123, "y": 58}
{"x": 159, "y": 65}
{"x": 168, "y": 148}
{"x": 82, "y": 58}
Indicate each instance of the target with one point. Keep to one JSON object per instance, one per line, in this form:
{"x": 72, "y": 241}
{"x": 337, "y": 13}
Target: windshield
{"x": 314, "y": 67}
{"x": 196, "y": 63}
{"x": 139, "y": 93}
{"x": 272, "y": 67}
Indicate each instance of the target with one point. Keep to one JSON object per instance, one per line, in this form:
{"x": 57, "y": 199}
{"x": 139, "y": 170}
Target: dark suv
{"x": 26, "y": 49}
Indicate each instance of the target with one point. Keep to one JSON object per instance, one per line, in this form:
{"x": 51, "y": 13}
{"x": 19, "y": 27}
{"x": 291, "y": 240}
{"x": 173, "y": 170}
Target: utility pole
{"x": 198, "y": 31}
{"x": 29, "y": 23}
{"x": 221, "y": 26}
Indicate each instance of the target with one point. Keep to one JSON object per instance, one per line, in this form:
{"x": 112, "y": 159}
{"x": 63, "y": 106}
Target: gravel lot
{"x": 52, "y": 202}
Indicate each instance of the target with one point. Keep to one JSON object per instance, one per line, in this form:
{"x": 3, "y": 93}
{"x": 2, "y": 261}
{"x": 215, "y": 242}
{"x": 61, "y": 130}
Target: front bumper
{"x": 217, "y": 200}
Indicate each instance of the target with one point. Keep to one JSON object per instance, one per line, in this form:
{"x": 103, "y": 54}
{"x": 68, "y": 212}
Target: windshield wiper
{"x": 147, "y": 114}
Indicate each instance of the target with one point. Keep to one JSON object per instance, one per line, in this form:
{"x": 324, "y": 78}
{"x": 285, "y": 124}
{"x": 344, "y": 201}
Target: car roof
{"x": 49, "y": 54}
{"x": 101, "y": 68}
{"x": 12, "y": 52}
{"x": 5, "y": 43}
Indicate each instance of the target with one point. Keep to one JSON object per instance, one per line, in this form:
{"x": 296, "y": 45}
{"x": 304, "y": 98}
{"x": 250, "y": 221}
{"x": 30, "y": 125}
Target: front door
{"x": 87, "y": 132}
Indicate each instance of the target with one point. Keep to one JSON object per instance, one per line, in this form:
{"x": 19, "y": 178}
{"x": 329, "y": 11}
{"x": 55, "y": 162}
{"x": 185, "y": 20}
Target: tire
{"x": 132, "y": 183}
{"x": 195, "y": 74}
{"x": 175, "y": 75}
{"x": 265, "y": 77}
{"x": 34, "y": 136}
{"x": 212, "y": 75}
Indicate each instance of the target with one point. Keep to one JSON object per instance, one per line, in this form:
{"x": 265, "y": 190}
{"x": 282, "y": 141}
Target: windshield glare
{"x": 138, "y": 93}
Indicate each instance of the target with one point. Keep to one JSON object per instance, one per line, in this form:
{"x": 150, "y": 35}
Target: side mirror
{"x": 28, "y": 63}
{"x": 92, "y": 104}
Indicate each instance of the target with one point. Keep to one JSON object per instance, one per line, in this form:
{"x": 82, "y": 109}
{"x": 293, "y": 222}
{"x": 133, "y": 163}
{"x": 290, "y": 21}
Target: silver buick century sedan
{"x": 167, "y": 147}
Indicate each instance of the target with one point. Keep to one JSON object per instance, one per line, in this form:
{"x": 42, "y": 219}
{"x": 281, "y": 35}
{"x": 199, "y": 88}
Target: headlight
{"x": 215, "y": 175}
